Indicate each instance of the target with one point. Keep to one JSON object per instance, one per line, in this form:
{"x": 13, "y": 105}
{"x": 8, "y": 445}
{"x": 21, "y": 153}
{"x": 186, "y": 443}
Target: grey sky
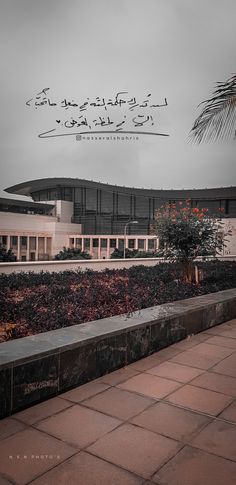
{"x": 83, "y": 48}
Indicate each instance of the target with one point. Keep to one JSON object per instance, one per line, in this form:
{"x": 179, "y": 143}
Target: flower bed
{"x": 34, "y": 303}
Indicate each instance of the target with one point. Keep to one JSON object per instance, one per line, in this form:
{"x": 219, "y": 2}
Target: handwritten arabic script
{"x": 121, "y": 114}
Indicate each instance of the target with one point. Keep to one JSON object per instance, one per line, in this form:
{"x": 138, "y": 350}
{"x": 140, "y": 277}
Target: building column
{"x": 108, "y": 248}
{"x": 117, "y": 242}
{"x": 27, "y": 250}
{"x": 99, "y": 248}
{"x": 8, "y": 242}
{"x": 37, "y": 249}
{"x": 18, "y": 248}
{"x": 45, "y": 245}
{"x": 91, "y": 246}
{"x": 82, "y": 244}
{"x": 146, "y": 245}
{"x": 136, "y": 243}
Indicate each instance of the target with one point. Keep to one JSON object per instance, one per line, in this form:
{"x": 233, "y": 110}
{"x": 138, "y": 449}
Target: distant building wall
{"x": 106, "y": 208}
{"x": 33, "y": 237}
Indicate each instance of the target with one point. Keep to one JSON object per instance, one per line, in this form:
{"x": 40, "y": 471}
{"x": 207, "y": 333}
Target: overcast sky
{"x": 176, "y": 49}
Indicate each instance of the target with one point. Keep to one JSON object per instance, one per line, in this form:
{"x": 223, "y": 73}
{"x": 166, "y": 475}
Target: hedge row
{"x": 31, "y": 303}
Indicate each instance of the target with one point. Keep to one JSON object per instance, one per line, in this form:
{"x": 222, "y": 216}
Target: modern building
{"x": 92, "y": 215}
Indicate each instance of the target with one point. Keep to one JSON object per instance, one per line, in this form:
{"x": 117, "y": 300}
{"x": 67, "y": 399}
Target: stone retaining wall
{"x": 35, "y": 368}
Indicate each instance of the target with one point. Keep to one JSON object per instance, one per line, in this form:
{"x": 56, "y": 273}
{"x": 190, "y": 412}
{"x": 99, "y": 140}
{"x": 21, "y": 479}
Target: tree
{"x": 186, "y": 233}
{"x": 6, "y": 256}
{"x": 218, "y": 116}
{"x": 68, "y": 253}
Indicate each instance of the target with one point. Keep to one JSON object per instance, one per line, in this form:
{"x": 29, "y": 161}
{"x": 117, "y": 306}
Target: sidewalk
{"x": 168, "y": 419}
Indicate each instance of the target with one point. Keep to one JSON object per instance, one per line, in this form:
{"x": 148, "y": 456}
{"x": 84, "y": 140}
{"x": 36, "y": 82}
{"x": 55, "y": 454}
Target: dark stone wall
{"x": 35, "y": 368}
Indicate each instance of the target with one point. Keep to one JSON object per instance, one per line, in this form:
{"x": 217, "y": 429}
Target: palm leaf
{"x": 218, "y": 116}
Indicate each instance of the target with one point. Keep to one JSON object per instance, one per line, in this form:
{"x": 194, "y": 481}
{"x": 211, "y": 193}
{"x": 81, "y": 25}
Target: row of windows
{"x": 113, "y": 243}
{"x": 106, "y": 202}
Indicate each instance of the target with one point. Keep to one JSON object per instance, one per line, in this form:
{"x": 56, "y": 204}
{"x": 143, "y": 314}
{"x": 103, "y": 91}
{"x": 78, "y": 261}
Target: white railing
{"x": 85, "y": 264}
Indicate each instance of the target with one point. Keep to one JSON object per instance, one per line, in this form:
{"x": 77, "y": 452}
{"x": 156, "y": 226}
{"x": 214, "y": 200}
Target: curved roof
{"x": 29, "y": 187}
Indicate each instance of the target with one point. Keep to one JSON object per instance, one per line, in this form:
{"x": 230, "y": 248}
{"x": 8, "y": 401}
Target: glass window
{"x": 123, "y": 204}
{"x": 23, "y": 241}
{"x": 13, "y": 241}
{"x": 95, "y": 243}
{"x": 87, "y": 243}
{"x": 112, "y": 243}
{"x": 141, "y": 206}
{"x": 52, "y": 194}
{"x": 32, "y": 242}
{"x": 68, "y": 193}
{"x": 103, "y": 243}
{"x": 91, "y": 199}
{"x": 107, "y": 202}
{"x": 120, "y": 244}
{"x": 78, "y": 194}
{"x": 131, "y": 243}
{"x": 3, "y": 240}
{"x": 232, "y": 207}
{"x": 141, "y": 243}
{"x": 79, "y": 243}
{"x": 151, "y": 243}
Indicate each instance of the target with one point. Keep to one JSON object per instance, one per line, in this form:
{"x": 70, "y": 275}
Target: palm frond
{"x": 218, "y": 116}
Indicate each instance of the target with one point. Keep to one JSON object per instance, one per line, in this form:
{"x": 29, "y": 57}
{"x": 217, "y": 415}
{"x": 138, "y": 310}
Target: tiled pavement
{"x": 168, "y": 419}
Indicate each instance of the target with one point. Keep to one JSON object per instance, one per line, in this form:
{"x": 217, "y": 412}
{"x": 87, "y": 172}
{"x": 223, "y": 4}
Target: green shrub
{"x": 68, "y": 253}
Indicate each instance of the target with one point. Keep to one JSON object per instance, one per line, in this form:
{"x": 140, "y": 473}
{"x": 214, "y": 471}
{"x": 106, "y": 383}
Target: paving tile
{"x": 171, "y": 421}
{"x": 227, "y": 366}
{"x": 208, "y": 350}
{"x": 78, "y": 425}
{"x": 42, "y": 410}
{"x": 33, "y": 453}
{"x": 198, "y": 399}
{"x": 149, "y": 385}
{"x": 229, "y": 333}
{"x": 118, "y": 376}
{"x": 148, "y": 482}
{"x": 229, "y": 412}
{"x": 216, "y": 382}
{"x": 119, "y": 403}
{"x": 218, "y": 438}
{"x": 194, "y": 359}
{"x": 190, "y": 341}
{"x": 135, "y": 449}
{"x": 3, "y": 481}
{"x": 195, "y": 467}
{"x": 166, "y": 354}
{"x": 9, "y": 426}
{"x": 223, "y": 341}
{"x": 172, "y": 370}
{"x": 85, "y": 469}
{"x": 214, "y": 330}
{"x": 144, "y": 364}
{"x": 229, "y": 323}
{"x": 84, "y": 392}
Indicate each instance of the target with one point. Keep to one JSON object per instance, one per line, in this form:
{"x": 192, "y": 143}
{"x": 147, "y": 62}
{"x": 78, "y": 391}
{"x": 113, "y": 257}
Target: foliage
{"x": 5, "y": 255}
{"x": 186, "y": 233}
{"x": 72, "y": 253}
{"x": 218, "y": 116}
{"x": 134, "y": 253}
{"x": 37, "y": 302}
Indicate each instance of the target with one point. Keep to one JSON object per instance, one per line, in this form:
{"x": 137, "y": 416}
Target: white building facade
{"x": 93, "y": 216}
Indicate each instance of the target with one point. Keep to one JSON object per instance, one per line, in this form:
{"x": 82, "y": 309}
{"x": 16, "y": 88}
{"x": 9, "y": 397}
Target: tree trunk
{"x": 188, "y": 271}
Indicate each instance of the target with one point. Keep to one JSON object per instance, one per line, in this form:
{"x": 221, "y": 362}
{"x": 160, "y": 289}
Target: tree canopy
{"x": 218, "y": 116}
